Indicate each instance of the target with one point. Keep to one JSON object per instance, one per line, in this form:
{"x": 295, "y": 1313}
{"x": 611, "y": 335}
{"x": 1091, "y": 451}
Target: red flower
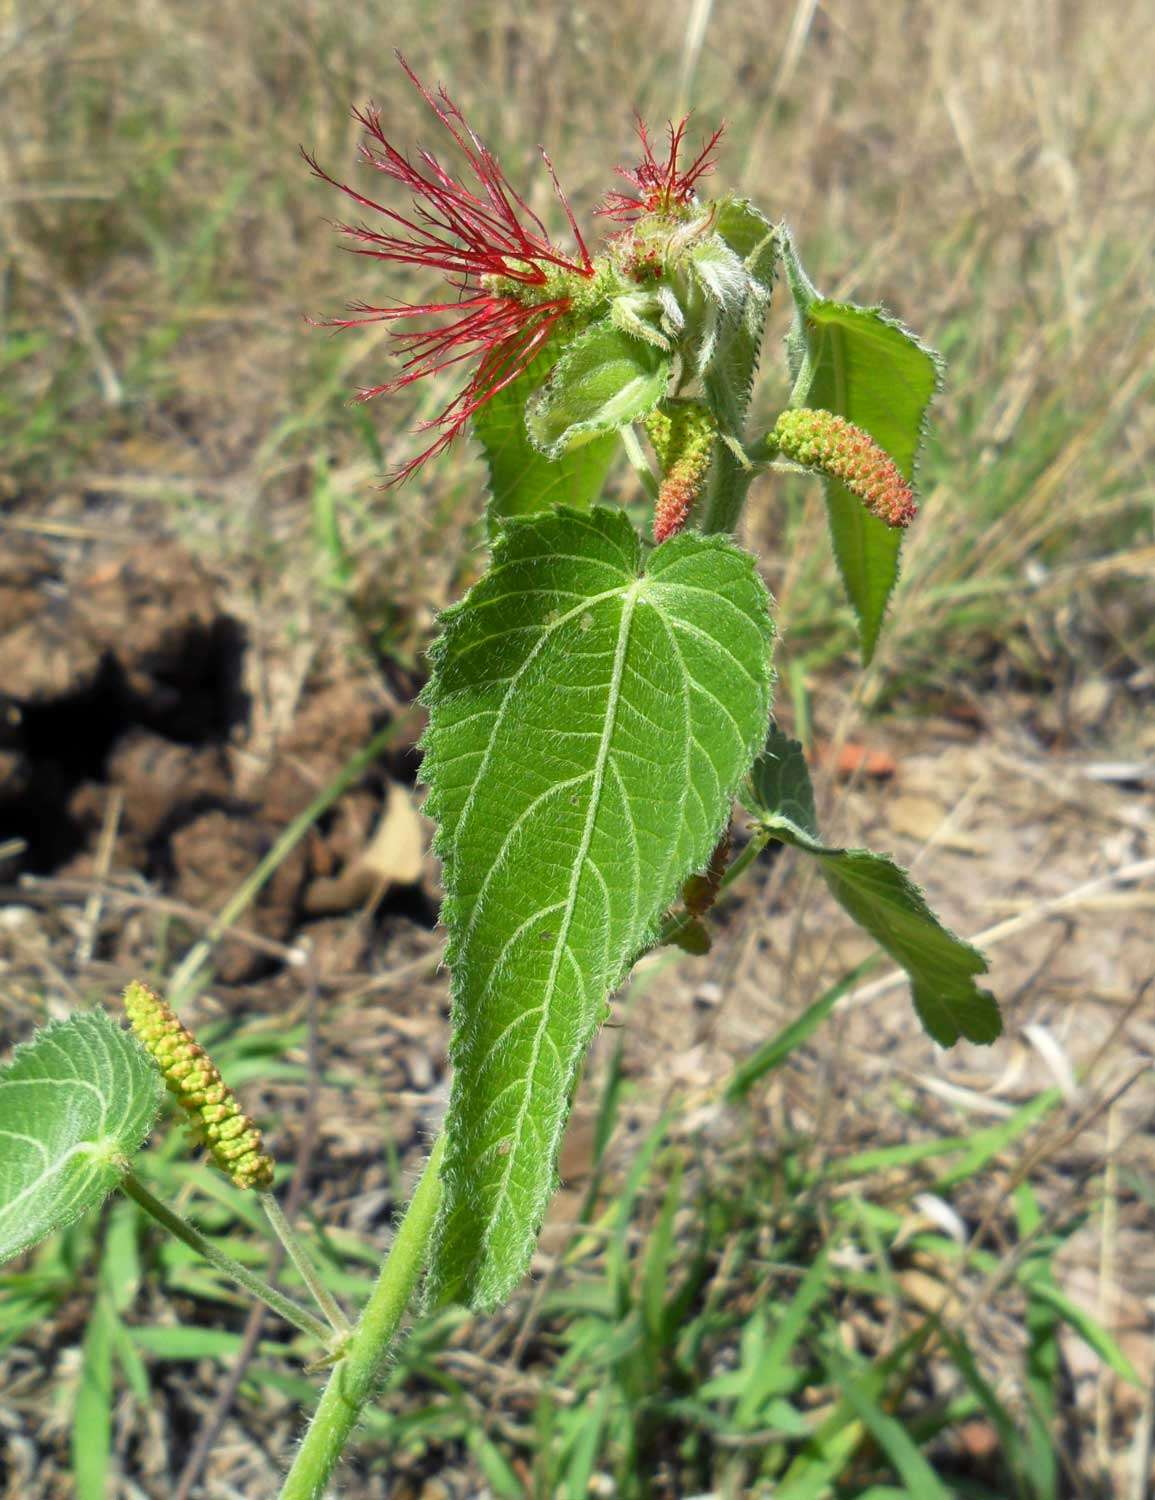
{"x": 661, "y": 187}
{"x": 495, "y": 253}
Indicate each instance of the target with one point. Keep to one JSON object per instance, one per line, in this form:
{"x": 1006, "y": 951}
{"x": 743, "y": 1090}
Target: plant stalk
{"x": 354, "y": 1380}
{"x": 720, "y": 509}
{"x": 307, "y": 1271}
{"x": 283, "y": 1306}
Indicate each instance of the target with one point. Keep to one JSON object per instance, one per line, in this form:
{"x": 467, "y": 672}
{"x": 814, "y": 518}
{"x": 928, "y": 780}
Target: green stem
{"x": 283, "y": 1306}
{"x": 355, "y": 1378}
{"x": 305, "y": 1268}
{"x": 726, "y": 487}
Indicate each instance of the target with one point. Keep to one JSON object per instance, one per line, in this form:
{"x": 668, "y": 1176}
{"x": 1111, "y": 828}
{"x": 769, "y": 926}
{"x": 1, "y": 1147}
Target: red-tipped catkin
{"x": 216, "y": 1119}
{"x": 683, "y": 438}
{"x": 837, "y": 448}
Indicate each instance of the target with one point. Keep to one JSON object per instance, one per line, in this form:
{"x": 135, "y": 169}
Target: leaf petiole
{"x": 283, "y": 1306}
{"x": 305, "y": 1267}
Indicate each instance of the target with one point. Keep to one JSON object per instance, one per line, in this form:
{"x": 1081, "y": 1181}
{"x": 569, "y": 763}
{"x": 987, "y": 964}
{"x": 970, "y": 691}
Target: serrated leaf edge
{"x": 789, "y": 832}
{"x": 442, "y": 844}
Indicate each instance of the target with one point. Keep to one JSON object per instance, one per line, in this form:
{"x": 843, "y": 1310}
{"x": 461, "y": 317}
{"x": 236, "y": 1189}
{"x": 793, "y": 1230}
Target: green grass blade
{"x": 773, "y": 1054}
{"x": 893, "y": 1439}
{"x": 92, "y": 1417}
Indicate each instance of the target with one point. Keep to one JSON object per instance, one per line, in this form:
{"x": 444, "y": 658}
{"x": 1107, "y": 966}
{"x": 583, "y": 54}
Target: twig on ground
{"x": 105, "y": 849}
{"x": 52, "y": 890}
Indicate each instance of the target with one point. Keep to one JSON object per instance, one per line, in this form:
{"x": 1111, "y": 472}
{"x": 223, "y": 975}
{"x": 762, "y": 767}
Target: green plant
{"x": 596, "y": 704}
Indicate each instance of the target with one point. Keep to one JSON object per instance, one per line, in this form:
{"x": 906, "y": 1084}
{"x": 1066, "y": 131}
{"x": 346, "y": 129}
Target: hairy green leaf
{"x": 76, "y": 1102}
{"x": 882, "y": 898}
{"x": 862, "y": 364}
{"x": 521, "y": 479}
{"x": 593, "y": 708}
{"x": 605, "y": 380}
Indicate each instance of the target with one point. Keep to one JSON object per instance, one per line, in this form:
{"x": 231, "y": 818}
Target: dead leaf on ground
{"x": 395, "y": 855}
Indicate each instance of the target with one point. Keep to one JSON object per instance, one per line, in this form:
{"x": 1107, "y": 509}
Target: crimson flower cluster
{"x": 510, "y": 284}
{"x": 663, "y": 187}
{"x": 493, "y": 250}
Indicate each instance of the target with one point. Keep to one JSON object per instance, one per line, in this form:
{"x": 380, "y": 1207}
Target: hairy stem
{"x": 726, "y": 489}
{"x": 355, "y": 1378}
{"x": 287, "y": 1235}
{"x": 283, "y": 1306}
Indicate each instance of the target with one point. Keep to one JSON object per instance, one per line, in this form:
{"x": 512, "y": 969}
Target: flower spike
{"x": 511, "y": 284}
{"x": 661, "y": 187}
{"x": 216, "y": 1119}
{"x": 837, "y": 448}
{"x": 682, "y": 434}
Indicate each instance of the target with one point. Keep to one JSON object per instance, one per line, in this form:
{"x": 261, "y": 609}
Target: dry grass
{"x": 978, "y": 169}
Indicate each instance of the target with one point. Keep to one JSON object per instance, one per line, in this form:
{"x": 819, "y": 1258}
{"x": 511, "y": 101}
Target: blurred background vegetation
{"x": 979, "y": 169}
{"x": 726, "y": 1316}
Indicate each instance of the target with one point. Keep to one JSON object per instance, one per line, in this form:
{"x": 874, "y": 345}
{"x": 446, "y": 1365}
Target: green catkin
{"x": 840, "y": 450}
{"x": 216, "y": 1119}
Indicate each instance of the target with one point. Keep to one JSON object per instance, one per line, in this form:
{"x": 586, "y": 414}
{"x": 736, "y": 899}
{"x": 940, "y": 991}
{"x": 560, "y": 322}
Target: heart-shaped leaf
{"x": 76, "y": 1102}
{"x": 593, "y": 708}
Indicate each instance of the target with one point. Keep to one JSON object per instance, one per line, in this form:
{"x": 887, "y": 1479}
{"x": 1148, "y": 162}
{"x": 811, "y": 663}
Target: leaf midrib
{"x": 506, "y": 697}
{"x": 613, "y": 698}
{"x": 81, "y": 1148}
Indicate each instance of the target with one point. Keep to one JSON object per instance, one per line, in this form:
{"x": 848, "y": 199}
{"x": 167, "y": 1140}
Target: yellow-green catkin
{"x": 217, "y": 1120}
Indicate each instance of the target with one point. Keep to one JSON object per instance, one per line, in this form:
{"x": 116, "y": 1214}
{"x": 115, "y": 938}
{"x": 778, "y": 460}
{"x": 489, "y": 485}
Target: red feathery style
{"x": 471, "y": 236}
{"x": 661, "y": 187}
